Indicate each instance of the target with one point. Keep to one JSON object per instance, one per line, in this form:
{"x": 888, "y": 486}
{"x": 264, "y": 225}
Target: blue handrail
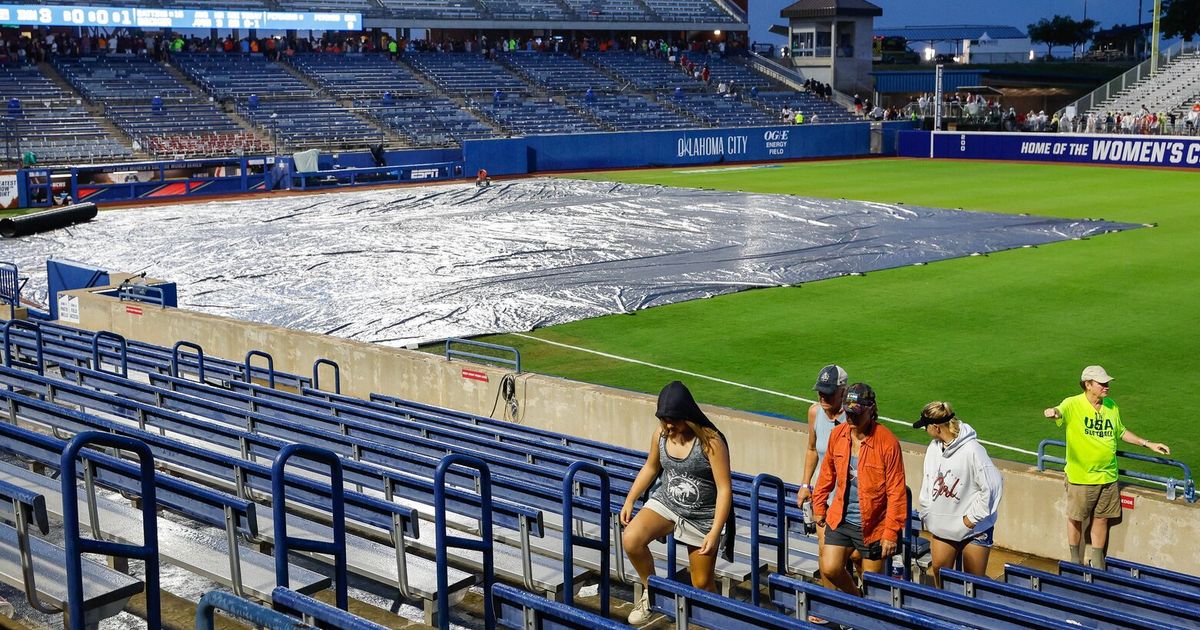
{"x": 37, "y": 340}
{"x": 325, "y": 616}
{"x": 260, "y": 616}
{"x": 270, "y": 367}
{"x": 121, "y": 353}
{"x": 779, "y": 540}
{"x": 906, "y": 545}
{"x": 175, "y": 358}
{"x": 337, "y": 374}
{"x": 76, "y": 546}
{"x": 1186, "y": 485}
{"x": 570, "y": 538}
{"x": 445, "y": 541}
{"x": 514, "y": 362}
{"x": 142, "y": 293}
{"x": 10, "y": 287}
{"x": 283, "y": 542}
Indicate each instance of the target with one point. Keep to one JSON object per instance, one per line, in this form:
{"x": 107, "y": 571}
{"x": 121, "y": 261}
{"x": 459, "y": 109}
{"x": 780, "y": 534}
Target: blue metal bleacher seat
{"x": 1075, "y": 612}
{"x": 1180, "y": 582}
{"x": 37, "y": 567}
{"x": 955, "y": 607}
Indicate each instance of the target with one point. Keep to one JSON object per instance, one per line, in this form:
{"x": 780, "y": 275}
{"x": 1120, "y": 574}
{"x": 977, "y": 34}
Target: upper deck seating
{"x": 465, "y": 73}
{"x": 537, "y": 116}
{"x": 689, "y": 11}
{"x": 236, "y": 76}
{"x": 429, "y": 121}
{"x": 434, "y": 9}
{"x": 610, "y": 10}
{"x": 632, "y": 112}
{"x": 559, "y": 72}
{"x": 112, "y": 78}
{"x": 644, "y": 72}
{"x": 524, "y": 10}
{"x": 359, "y": 75}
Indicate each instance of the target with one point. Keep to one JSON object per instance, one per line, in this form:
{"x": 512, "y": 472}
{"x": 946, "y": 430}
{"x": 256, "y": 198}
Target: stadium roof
{"x": 830, "y": 8}
{"x": 952, "y": 33}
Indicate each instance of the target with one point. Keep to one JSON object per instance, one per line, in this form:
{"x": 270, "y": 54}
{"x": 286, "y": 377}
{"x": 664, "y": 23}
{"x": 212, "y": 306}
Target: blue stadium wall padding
{"x": 518, "y": 156}
{"x": 65, "y": 275}
{"x": 1128, "y": 150}
{"x": 891, "y": 134}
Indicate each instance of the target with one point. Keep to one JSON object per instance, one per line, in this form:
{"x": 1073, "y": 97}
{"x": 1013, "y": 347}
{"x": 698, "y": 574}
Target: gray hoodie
{"x": 960, "y": 480}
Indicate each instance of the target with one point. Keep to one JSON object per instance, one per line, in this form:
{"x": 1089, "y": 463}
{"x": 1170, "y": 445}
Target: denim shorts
{"x": 985, "y": 538}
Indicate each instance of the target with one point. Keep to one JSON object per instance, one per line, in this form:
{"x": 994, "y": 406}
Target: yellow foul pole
{"x": 1154, "y": 37}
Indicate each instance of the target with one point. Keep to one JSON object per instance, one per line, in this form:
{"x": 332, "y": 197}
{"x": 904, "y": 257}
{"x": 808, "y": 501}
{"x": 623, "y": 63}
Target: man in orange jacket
{"x": 865, "y": 466}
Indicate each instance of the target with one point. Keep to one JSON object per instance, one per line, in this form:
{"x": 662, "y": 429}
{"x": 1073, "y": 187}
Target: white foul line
{"x": 728, "y": 382}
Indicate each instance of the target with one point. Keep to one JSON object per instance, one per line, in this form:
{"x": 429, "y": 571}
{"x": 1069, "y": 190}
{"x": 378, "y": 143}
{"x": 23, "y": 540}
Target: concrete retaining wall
{"x": 1031, "y": 521}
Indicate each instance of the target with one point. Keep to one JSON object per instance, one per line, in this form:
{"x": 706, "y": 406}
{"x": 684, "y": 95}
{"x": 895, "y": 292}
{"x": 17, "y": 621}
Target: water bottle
{"x": 810, "y": 525}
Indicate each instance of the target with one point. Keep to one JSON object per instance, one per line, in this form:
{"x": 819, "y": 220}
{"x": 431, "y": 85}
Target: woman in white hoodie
{"x": 960, "y": 492}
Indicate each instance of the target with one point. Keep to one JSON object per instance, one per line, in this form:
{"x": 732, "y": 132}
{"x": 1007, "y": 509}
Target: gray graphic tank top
{"x": 687, "y": 485}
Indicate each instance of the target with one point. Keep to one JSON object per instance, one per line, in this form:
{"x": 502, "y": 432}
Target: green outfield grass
{"x": 1001, "y": 336}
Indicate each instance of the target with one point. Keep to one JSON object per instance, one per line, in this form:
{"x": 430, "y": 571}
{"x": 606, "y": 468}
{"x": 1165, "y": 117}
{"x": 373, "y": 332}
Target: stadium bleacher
{"x": 185, "y": 129}
{"x": 359, "y": 75}
{"x": 610, "y": 10}
{"x": 631, "y": 112}
{"x": 310, "y": 123}
{"x": 689, "y": 11}
{"x": 525, "y": 10}
{"x": 825, "y": 111}
{"x": 434, "y": 9}
{"x": 116, "y": 78}
{"x": 203, "y": 417}
{"x": 464, "y": 74}
{"x": 722, "y": 111}
{"x": 61, "y": 134}
{"x": 428, "y": 122}
{"x": 643, "y": 72}
{"x": 559, "y": 72}
{"x": 1174, "y": 88}
{"x": 235, "y": 76}
{"x": 537, "y": 116}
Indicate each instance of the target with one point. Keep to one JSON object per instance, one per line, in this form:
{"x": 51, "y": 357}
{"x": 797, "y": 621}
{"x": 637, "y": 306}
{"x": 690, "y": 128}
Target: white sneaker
{"x": 641, "y": 610}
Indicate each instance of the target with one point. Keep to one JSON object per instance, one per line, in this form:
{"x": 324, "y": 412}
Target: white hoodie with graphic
{"x": 960, "y": 480}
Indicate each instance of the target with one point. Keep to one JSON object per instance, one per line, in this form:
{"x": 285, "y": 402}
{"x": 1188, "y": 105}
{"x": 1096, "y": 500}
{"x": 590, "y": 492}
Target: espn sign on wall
{"x": 8, "y": 192}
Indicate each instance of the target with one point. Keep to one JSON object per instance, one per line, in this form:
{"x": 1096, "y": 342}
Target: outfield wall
{"x": 1154, "y": 531}
{"x": 689, "y": 147}
{"x": 1125, "y": 150}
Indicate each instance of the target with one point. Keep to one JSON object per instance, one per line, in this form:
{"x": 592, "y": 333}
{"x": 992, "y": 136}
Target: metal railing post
{"x": 570, "y": 538}
{"x": 76, "y": 546}
{"x": 283, "y": 542}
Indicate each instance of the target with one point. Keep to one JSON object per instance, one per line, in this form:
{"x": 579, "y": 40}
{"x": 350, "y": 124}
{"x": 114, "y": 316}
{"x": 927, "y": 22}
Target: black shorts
{"x": 847, "y": 534}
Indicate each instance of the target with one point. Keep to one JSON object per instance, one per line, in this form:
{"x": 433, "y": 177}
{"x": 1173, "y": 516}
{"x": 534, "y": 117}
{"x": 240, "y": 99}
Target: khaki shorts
{"x": 1085, "y": 502}
{"x": 686, "y": 531}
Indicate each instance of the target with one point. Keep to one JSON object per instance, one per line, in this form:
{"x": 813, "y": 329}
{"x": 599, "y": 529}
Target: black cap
{"x": 926, "y": 421}
{"x": 858, "y": 397}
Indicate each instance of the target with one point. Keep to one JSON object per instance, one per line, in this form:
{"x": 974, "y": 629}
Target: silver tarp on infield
{"x": 401, "y": 265}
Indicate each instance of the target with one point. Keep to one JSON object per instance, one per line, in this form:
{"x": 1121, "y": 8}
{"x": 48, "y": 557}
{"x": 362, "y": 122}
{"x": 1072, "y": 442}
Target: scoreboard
{"x": 155, "y": 18}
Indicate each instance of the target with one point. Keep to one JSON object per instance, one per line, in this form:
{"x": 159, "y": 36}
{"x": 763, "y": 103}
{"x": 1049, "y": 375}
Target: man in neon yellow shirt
{"x": 1093, "y": 424}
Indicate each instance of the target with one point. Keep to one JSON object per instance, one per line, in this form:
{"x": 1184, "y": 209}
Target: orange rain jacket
{"x": 881, "y": 484}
